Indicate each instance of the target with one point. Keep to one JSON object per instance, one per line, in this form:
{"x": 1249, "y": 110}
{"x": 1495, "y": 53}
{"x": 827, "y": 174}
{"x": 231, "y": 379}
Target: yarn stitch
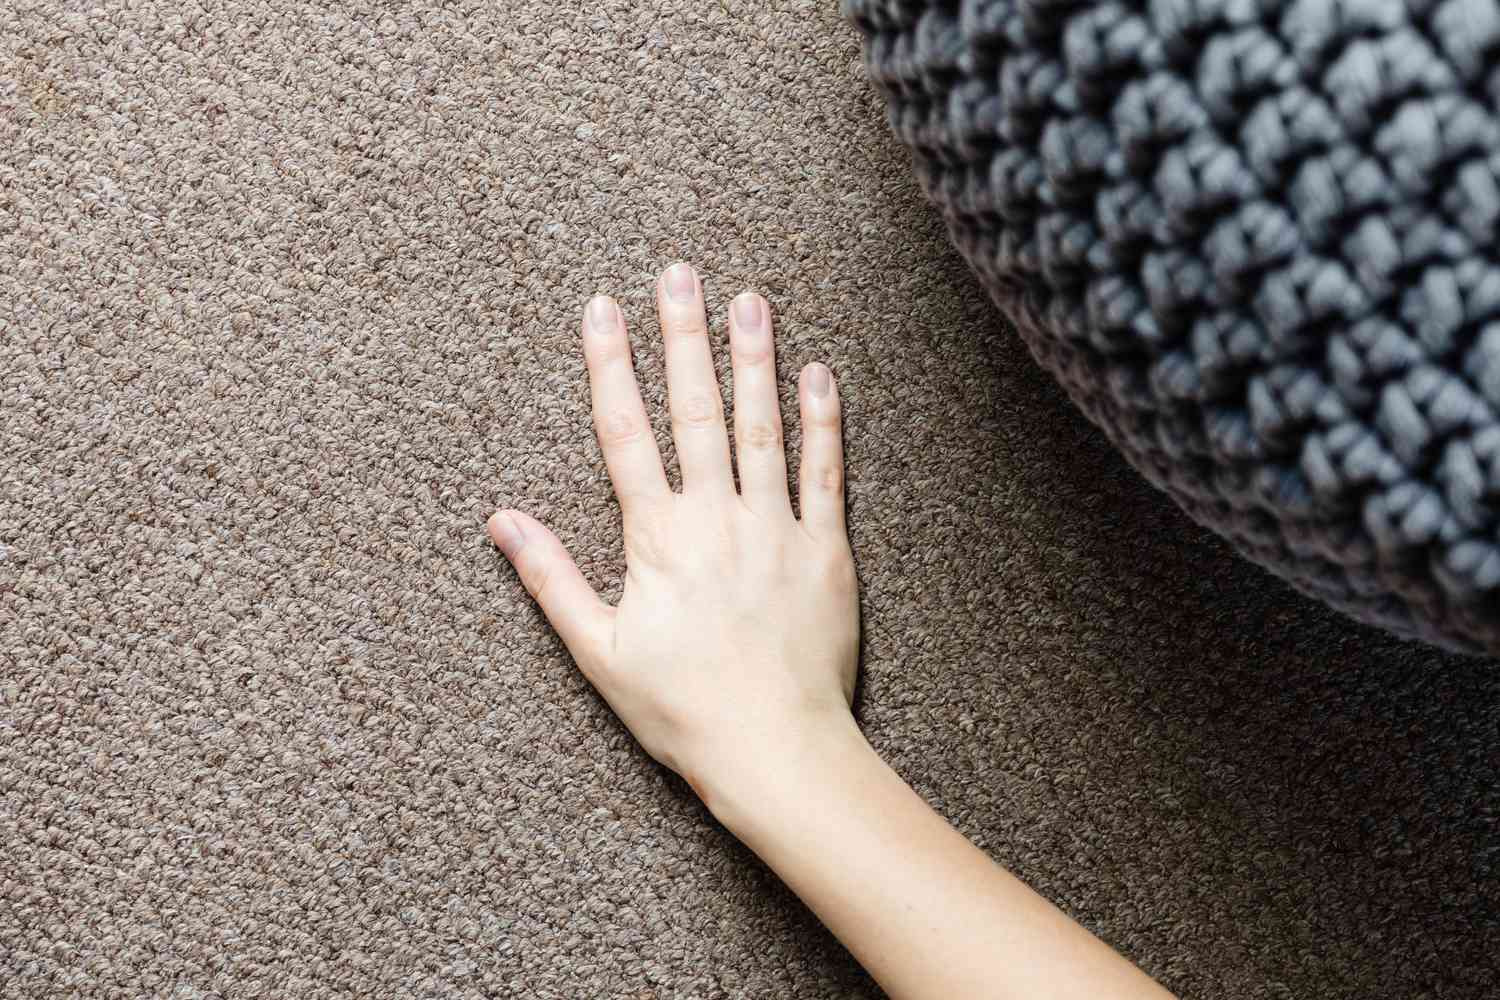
{"x": 1255, "y": 240}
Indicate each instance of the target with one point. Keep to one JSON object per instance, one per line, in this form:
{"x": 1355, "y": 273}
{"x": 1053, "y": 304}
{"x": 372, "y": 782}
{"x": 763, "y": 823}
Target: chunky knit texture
{"x": 1256, "y": 242}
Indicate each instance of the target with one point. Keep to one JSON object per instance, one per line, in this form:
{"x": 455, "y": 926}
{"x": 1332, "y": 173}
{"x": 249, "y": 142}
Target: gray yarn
{"x": 1256, "y": 242}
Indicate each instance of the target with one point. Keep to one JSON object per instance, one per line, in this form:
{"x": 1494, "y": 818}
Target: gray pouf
{"x": 1256, "y": 242}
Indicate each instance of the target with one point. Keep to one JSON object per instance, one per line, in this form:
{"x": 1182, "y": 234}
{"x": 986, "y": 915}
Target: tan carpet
{"x": 288, "y": 293}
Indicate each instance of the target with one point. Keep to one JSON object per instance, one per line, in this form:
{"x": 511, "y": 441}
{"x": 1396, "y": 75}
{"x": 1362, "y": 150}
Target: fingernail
{"x": 819, "y": 379}
{"x": 748, "y": 312}
{"x": 601, "y": 314}
{"x": 682, "y": 286}
{"x": 506, "y": 534}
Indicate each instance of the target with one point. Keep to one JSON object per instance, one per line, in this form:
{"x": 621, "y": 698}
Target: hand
{"x": 736, "y": 639}
{"x": 731, "y": 657}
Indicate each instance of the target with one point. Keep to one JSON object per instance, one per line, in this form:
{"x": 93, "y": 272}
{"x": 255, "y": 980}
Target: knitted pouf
{"x": 1256, "y": 242}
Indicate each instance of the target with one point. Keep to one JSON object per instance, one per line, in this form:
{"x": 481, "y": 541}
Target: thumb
{"x": 551, "y": 577}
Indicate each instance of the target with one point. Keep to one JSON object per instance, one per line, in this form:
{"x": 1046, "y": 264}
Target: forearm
{"x": 926, "y": 912}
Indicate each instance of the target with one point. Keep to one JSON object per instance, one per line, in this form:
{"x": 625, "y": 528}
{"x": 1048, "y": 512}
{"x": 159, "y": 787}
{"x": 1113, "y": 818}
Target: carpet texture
{"x": 289, "y": 295}
{"x": 1256, "y": 240}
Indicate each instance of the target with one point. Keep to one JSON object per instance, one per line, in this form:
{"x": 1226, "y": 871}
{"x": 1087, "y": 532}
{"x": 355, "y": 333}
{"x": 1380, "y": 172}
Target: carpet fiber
{"x": 288, "y": 305}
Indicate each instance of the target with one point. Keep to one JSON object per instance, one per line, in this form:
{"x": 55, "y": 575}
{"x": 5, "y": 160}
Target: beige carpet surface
{"x": 288, "y": 300}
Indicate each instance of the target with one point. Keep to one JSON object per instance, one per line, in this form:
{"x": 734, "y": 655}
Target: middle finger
{"x": 693, "y": 385}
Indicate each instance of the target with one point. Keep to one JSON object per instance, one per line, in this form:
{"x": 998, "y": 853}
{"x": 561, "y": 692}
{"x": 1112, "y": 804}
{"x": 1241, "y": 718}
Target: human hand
{"x": 732, "y": 658}
{"x": 736, "y": 639}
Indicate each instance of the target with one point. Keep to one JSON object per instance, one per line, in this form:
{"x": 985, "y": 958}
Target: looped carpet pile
{"x": 1256, "y": 242}
{"x": 289, "y": 304}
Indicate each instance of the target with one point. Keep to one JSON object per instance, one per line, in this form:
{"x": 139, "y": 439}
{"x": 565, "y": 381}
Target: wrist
{"x": 763, "y": 785}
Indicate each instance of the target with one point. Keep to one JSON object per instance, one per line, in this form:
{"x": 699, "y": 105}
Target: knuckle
{"x": 682, "y": 328}
{"x": 823, "y": 421}
{"x": 604, "y": 352}
{"x": 832, "y": 567}
{"x": 618, "y": 426}
{"x": 535, "y": 576}
{"x": 645, "y": 537}
{"x": 842, "y": 576}
{"x": 828, "y": 478}
{"x": 761, "y": 435}
{"x": 696, "y": 409}
{"x": 758, "y": 353}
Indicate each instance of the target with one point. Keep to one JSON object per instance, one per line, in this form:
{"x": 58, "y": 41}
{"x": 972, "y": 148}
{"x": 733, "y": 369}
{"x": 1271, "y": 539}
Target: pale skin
{"x": 732, "y": 656}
